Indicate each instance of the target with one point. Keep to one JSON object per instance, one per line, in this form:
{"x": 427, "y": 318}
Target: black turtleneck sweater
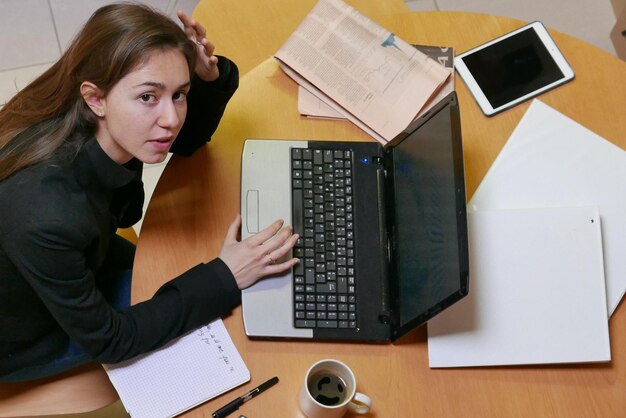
{"x": 56, "y": 222}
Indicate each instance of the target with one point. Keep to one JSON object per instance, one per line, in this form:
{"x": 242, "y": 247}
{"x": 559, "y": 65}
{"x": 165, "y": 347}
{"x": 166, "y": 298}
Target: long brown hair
{"x": 49, "y": 111}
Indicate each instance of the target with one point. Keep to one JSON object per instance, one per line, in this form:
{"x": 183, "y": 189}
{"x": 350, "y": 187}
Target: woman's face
{"x": 144, "y": 111}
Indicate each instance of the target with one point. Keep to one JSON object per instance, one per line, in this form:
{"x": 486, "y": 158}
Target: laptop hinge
{"x": 385, "y": 314}
{"x": 377, "y": 160}
{"x": 388, "y": 315}
{"x": 385, "y": 318}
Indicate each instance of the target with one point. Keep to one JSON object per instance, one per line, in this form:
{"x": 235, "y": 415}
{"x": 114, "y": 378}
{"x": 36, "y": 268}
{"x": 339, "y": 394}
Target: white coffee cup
{"x": 329, "y": 391}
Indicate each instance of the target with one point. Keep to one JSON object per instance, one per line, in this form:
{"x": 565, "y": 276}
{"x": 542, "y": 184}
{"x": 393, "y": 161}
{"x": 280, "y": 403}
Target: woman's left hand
{"x": 206, "y": 65}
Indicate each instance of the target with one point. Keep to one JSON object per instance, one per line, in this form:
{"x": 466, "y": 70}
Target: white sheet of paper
{"x": 184, "y": 373}
{"x": 552, "y": 161}
{"x": 537, "y": 292}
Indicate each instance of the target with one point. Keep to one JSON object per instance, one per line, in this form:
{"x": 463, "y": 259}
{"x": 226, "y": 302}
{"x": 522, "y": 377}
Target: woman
{"x": 72, "y": 144}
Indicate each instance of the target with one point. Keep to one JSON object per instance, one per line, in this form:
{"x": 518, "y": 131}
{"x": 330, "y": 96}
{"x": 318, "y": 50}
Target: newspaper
{"x": 360, "y": 69}
{"x": 311, "y": 106}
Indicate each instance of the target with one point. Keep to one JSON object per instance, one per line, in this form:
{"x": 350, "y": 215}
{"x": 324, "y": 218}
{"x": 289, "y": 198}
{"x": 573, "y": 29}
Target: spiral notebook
{"x": 182, "y": 374}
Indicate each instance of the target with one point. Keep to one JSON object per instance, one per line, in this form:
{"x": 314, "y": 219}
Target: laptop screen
{"x": 430, "y": 268}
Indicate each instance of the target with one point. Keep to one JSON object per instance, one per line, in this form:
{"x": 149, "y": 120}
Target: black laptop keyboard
{"x": 324, "y": 287}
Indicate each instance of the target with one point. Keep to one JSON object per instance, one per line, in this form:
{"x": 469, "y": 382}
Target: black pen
{"x": 231, "y": 407}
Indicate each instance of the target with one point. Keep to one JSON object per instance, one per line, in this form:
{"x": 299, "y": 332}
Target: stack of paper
{"x": 361, "y": 70}
{"x": 535, "y": 275}
{"x": 536, "y": 292}
{"x": 552, "y": 161}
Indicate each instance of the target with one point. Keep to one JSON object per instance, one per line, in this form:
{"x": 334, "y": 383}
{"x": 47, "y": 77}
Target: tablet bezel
{"x": 477, "y": 92}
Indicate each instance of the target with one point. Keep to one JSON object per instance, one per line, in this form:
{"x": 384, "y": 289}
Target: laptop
{"x": 383, "y": 231}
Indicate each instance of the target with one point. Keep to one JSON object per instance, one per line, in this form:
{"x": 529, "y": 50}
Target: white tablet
{"x": 513, "y": 68}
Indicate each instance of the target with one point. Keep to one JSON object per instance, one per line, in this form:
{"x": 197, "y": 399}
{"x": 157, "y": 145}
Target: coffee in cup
{"x": 329, "y": 391}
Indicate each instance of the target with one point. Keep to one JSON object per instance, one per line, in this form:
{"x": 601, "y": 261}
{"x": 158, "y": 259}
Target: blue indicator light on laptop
{"x": 365, "y": 160}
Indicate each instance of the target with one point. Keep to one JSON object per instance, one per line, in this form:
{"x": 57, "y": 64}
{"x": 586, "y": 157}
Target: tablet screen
{"x": 513, "y": 67}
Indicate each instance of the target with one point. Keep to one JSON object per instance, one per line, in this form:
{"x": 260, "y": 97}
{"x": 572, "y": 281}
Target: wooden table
{"x": 249, "y": 31}
{"x": 197, "y": 198}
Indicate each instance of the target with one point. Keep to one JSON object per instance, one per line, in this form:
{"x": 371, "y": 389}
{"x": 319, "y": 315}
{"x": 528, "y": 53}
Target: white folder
{"x": 537, "y": 292}
{"x": 551, "y": 160}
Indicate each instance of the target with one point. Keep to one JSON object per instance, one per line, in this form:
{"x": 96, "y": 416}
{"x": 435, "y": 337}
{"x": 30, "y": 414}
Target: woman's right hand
{"x": 255, "y": 257}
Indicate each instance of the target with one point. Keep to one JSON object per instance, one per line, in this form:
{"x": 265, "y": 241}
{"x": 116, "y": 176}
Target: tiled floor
{"x": 34, "y": 32}
{"x": 589, "y": 20}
